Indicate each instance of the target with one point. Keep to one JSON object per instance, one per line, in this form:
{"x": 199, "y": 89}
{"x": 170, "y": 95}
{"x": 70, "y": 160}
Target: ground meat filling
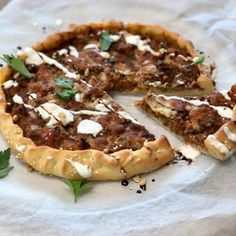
{"x": 117, "y": 132}
{"x": 127, "y": 67}
{"x": 122, "y": 67}
{"x": 195, "y": 123}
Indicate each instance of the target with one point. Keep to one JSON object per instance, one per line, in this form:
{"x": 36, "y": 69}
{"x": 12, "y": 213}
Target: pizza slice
{"x": 207, "y": 122}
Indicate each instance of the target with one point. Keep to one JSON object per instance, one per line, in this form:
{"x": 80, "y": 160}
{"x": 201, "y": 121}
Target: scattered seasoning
{"x": 187, "y": 160}
{"x": 180, "y": 157}
{"x": 143, "y": 187}
{"x": 125, "y": 182}
{"x": 153, "y": 180}
{"x": 1, "y": 65}
{"x": 44, "y": 28}
{"x": 19, "y": 47}
{"x": 138, "y": 191}
{"x": 174, "y": 162}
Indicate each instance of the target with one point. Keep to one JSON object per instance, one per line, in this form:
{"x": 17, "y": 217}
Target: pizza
{"x": 55, "y": 110}
{"x": 206, "y": 122}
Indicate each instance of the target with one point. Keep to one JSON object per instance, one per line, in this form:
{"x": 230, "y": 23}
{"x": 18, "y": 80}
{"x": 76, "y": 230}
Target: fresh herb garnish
{"x": 4, "y": 163}
{"x": 67, "y": 91}
{"x": 66, "y": 94}
{"x": 17, "y": 64}
{"x": 64, "y": 83}
{"x": 198, "y": 60}
{"x": 77, "y": 187}
{"x": 106, "y": 41}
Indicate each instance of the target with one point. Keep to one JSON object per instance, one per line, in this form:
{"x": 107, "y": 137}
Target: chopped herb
{"x": 4, "y": 163}
{"x": 17, "y": 64}
{"x": 106, "y": 41}
{"x": 67, "y": 91}
{"x": 198, "y": 60}
{"x": 77, "y": 187}
{"x": 64, "y": 83}
{"x": 66, "y": 94}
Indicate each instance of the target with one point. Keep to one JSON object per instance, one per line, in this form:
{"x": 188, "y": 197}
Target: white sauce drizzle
{"x": 89, "y": 127}
{"x": 10, "y": 83}
{"x": 217, "y": 144}
{"x": 231, "y": 136}
{"x": 45, "y": 115}
{"x": 55, "y": 113}
{"x": 223, "y": 111}
{"x": 33, "y": 96}
{"x": 83, "y": 170}
{"x": 88, "y": 112}
{"x": 114, "y": 37}
{"x": 58, "y": 112}
{"x": 38, "y": 58}
{"x": 225, "y": 94}
{"x": 127, "y": 116}
{"x": 18, "y": 100}
{"x": 91, "y": 46}
{"x": 101, "y": 107}
{"x": 32, "y": 57}
{"x": 73, "y": 51}
{"x": 51, "y": 61}
{"x": 77, "y": 97}
{"x": 189, "y": 152}
{"x": 105, "y": 55}
{"x": 137, "y": 41}
{"x": 63, "y": 51}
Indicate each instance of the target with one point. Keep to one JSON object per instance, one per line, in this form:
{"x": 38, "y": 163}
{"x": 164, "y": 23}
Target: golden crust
{"x": 224, "y": 145}
{"x": 119, "y": 165}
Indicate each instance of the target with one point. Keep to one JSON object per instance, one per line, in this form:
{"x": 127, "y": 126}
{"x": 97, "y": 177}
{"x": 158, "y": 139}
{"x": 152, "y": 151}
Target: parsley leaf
{"x": 4, "y": 163}
{"x": 4, "y": 172}
{"x": 66, "y": 94}
{"x": 77, "y": 187}
{"x": 198, "y": 60}
{"x": 17, "y": 64}
{"x": 67, "y": 91}
{"x": 64, "y": 83}
{"x": 106, "y": 41}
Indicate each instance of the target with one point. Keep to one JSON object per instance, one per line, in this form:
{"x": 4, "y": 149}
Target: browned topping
{"x": 117, "y": 133}
{"x": 193, "y": 123}
{"x": 122, "y": 67}
{"x": 128, "y": 67}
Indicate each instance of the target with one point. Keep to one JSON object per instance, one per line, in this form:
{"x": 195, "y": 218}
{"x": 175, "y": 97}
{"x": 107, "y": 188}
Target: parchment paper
{"x": 184, "y": 200}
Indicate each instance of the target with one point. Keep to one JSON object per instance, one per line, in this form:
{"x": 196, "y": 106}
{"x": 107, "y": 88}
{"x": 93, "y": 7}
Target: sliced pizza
{"x": 207, "y": 122}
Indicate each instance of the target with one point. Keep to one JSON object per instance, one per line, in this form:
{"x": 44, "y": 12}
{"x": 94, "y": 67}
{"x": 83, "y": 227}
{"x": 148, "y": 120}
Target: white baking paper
{"x": 195, "y": 200}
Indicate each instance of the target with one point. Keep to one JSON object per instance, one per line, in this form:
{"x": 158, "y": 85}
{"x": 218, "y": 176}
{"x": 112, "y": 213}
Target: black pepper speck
{"x": 125, "y": 182}
{"x": 138, "y": 191}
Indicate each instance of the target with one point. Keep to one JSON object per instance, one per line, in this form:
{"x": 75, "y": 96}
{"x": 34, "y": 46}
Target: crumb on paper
{"x": 59, "y": 22}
